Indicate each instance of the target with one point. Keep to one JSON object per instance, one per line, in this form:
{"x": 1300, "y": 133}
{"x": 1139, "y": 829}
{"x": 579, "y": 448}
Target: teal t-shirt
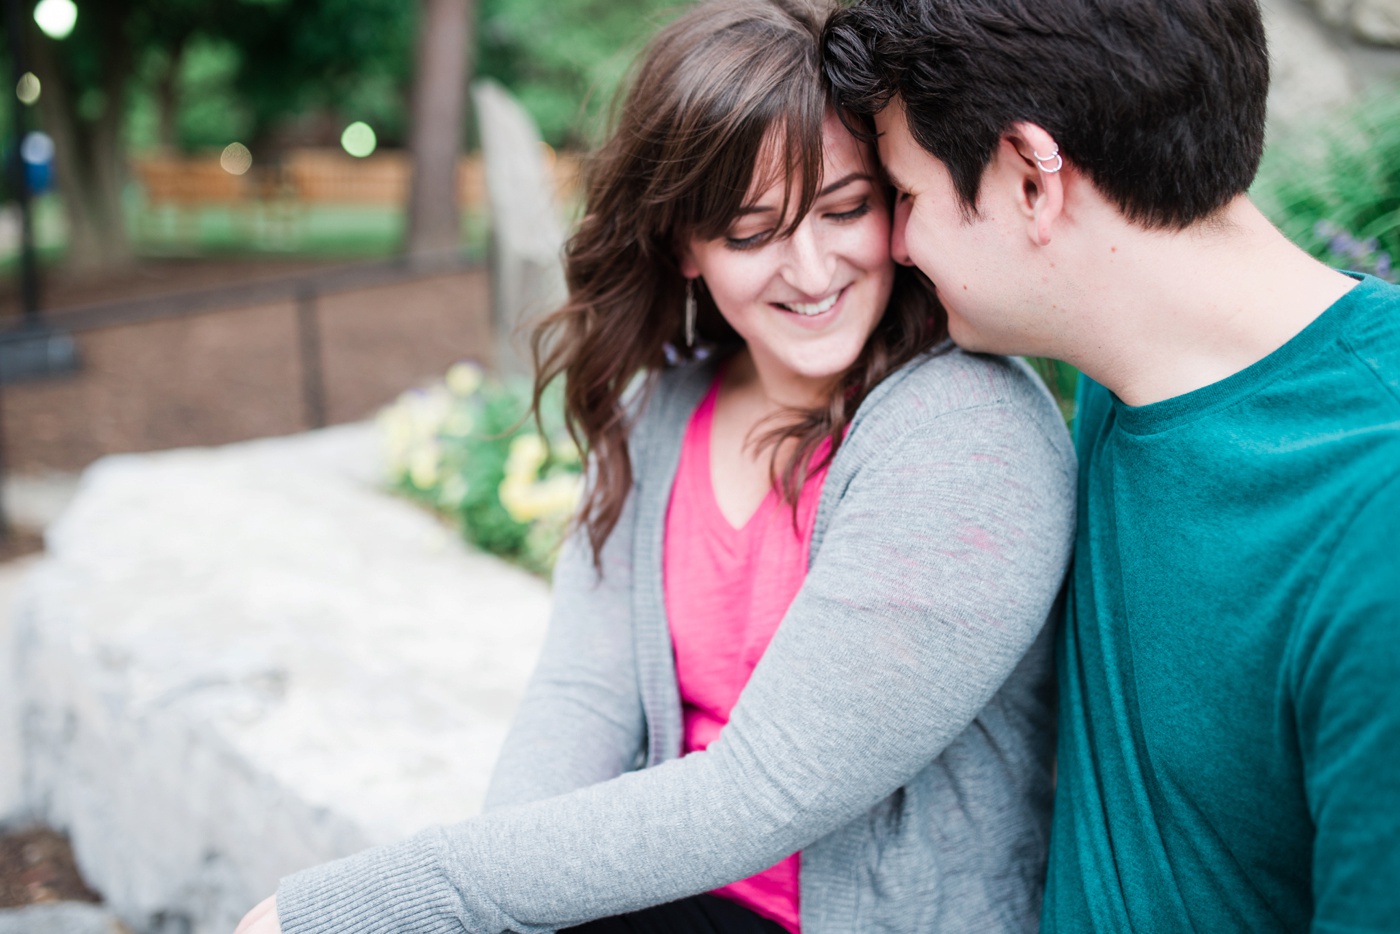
{"x": 1229, "y": 667}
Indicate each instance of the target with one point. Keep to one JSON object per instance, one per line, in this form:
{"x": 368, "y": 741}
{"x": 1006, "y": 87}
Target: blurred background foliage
{"x": 247, "y": 69}
{"x": 564, "y": 61}
{"x": 1335, "y": 189}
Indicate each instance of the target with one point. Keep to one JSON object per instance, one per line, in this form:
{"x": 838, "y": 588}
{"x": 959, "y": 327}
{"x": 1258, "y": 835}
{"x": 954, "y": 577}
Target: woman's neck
{"x": 769, "y": 387}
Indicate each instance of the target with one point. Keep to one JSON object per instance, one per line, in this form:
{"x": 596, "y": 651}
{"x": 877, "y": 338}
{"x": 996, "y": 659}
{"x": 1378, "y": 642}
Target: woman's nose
{"x": 811, "y": 264}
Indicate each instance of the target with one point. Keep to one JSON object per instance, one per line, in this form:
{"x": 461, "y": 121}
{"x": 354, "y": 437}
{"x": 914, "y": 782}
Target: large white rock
{"x": 1375, "y": 21}
{"x": 12, "y": 574}
{"x": 238, "y": 662}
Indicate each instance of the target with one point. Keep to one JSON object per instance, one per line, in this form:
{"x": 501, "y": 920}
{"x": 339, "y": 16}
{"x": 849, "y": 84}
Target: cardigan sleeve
{"x": 580, "y": 721}
{"x": 939, "y": 567}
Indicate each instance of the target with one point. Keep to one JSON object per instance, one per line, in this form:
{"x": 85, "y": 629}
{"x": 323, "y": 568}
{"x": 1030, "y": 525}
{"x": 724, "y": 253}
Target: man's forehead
{"x": 892, "y": 134}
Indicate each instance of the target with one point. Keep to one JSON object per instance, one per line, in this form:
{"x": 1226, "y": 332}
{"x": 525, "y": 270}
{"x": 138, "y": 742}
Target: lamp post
{"x": 29, "y": 349}
{"x": 28, "y": 262}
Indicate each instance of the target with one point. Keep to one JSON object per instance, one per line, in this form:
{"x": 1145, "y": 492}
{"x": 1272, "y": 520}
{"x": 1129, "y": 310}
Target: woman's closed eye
{"x": 861, "y": 209}
{"x": 747, "y": 241}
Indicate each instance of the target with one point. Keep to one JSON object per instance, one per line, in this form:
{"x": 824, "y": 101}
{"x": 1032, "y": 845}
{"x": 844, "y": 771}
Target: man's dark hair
{"x": 1159, "y": 102}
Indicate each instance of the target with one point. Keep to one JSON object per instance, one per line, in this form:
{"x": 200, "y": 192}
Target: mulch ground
{"x": 149, "y": 278}
{"x": 36, "y": 866}
{"x": 234, "y": 373}
{"x": 18, "y": 542}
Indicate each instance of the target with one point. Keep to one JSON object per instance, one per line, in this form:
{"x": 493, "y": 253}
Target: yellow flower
{"x": 423, "y": 467}
{"x": 527, "y": 455}
{"x": 565, "y": 451}
{"x": 464, "y": 378}
{"x": 528, "y": 502}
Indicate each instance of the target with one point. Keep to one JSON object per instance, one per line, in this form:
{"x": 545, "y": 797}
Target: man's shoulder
{"x": 1372, "y": 330}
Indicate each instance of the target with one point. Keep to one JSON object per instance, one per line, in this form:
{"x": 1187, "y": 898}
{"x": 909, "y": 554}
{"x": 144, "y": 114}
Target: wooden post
{"x": 527, "y": 238}
{"x": 313, "y": 388}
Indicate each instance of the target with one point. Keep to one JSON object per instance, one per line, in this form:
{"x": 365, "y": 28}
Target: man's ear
{"x": 1037, "y": 165}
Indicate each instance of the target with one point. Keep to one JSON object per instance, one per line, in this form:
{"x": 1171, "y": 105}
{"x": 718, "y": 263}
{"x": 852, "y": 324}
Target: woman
{"x": 903, "y": 509}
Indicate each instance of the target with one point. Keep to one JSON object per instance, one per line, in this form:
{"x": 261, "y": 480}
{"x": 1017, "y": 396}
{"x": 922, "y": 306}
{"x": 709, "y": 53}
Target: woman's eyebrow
{"x": 843, "y": 182}
{"x": 834, "y": 186}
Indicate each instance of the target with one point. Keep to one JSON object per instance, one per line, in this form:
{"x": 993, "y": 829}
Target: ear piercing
{"x": 1042, "y": 160}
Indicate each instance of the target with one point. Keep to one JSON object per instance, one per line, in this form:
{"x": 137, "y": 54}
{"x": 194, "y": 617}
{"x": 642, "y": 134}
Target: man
{"x": 1071, "y": 177}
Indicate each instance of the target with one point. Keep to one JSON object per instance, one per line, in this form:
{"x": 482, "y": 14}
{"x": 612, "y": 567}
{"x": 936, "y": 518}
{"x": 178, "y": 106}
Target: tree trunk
{"x": 168, "y": 99}
{"x": 439, "y": 111}
{"x": 89, "y": 155}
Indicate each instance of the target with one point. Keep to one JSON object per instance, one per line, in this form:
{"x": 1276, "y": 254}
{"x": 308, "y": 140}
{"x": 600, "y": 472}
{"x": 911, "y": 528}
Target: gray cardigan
{"x": 898, "y": 730}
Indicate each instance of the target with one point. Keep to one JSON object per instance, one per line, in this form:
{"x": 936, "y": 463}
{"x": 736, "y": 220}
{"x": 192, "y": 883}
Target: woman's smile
{"x": 812, "y": 309}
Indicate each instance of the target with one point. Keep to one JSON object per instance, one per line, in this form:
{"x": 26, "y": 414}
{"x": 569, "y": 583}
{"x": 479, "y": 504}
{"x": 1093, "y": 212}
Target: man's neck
{"x": 1165, "y": 313}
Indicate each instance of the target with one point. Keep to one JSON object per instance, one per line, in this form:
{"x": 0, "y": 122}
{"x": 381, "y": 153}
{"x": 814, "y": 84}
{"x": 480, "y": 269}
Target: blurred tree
{"x": 188, "y": 74}
{"x": 439, "y": 105}
{"x": 563, "y": 61}
{"x": 350, "y": 58}
{"x": 279, "y": 57}
{"x": 84, "y": 79}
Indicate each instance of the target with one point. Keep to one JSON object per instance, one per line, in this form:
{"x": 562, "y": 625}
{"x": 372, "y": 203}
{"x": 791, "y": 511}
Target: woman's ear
{"x": 689, "y": 268}
{"x": 1037, "y": 165}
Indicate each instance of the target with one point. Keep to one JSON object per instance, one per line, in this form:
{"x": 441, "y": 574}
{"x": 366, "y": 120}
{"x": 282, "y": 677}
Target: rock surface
{"x": 11, "y": 802}
{"x": 1318, "y": 64}
{"x": 1376, "y": 21}
{"x": 238, "y": 662}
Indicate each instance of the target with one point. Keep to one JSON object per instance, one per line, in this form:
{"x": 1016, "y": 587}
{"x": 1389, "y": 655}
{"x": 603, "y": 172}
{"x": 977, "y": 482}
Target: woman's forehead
{"x": 778, "y": 175}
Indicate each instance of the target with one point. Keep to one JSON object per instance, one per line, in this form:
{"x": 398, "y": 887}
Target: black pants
{"x": 703, "y": 914}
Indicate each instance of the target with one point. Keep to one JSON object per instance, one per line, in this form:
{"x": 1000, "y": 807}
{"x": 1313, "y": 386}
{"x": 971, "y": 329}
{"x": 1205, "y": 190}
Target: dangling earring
{"x": 690, "y": 311}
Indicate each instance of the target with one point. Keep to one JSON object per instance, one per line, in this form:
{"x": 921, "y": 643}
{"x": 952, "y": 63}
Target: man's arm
{"x": 1348, "y": 707}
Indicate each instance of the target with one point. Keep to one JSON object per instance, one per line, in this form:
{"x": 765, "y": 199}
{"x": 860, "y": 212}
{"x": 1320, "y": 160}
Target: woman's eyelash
{"x": 859, "y": 210}
{"x": 746, "y": 243}
{"x": 758, "y": 239}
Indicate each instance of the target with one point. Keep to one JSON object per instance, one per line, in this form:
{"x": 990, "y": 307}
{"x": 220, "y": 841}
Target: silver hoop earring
{"x": 1041, "y": 160}
{"x": 690, "y": 312}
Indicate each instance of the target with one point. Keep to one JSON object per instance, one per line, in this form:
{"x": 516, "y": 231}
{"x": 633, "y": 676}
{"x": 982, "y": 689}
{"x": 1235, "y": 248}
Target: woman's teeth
{"x": 809, "y": 310}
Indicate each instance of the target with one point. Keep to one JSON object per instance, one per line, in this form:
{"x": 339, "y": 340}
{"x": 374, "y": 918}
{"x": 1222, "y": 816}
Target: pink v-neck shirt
{"x": 726, "y": 591}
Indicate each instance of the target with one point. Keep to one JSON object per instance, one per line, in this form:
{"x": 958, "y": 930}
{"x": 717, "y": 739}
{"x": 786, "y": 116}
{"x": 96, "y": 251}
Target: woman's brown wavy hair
{"x": 710, "y": 89}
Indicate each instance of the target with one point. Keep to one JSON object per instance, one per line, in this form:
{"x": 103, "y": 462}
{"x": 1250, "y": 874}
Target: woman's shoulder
{"x": 1001, "y": 395}
{"x": 948, "y": 379}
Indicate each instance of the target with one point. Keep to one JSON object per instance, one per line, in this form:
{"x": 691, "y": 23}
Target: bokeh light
{"x": 236, "y": 159}
{"x": 359, "y": 139}
{"x": 28, "y": 89}
{"x": 56, "y": 17}
{"x": 36, "y": 148}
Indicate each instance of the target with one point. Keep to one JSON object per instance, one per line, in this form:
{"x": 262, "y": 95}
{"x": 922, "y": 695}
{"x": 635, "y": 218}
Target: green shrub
{"x": 461, "y": 448}
{"x": 1335, "y": 190}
